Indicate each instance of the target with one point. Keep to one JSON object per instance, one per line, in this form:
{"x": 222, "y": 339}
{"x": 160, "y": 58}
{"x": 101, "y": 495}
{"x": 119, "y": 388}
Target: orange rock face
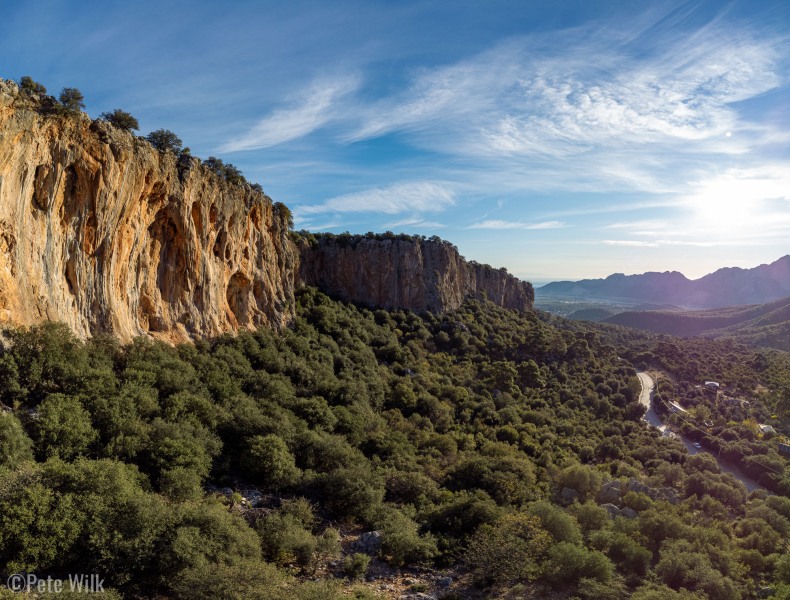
{"x": 104, "y": 233}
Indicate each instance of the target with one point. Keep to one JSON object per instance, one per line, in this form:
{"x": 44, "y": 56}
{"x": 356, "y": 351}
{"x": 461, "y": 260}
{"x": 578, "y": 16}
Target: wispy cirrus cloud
{"x": 415, "y": 223}
{"x": 420, "y": 196}
{"x": 671, "y": 242}
{"x": 660, "y": 127}
{"x": 649, "y": 224}
{"x": 513, "y": 99}
{"x": 498, "y": 224}
{"x": 630, "y": 119}
{"x": 309, "y": 224}
{"x": 312, "y": 110}
{"x": 650, "y": 121}
{"x": 682, "y": 95}
{"x": 631, "y": 243}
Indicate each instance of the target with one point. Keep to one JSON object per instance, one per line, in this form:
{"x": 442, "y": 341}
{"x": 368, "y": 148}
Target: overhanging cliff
{"x": 103, "y": 232}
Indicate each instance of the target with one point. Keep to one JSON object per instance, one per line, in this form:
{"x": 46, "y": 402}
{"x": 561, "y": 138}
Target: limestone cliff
{"x": 405, "y": 272}
{"x": 101, "y": 231}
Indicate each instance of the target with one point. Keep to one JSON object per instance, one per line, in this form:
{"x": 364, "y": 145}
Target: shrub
{"x": 355, "y": 566}
{"x": 180, "y": 483}
{"x": 400, "y": 541}
{"x": 592, "y": 589}
{"x": 568, "y": 563}
{"x": 121, "y": 119}
{"x": 350, "y": 493}
{"x": 562, "y": 526}
{"x": 633, "y": 557}
{"x": 507, "y": 479}
{"x": 589, "y": 515}
{"x": 232, "y": 174}
{"x": 63, "y": 427}
{"x": 164, "y": 140}
{"x": 328, "y": 544}
{"x": 584, "y": 479}
{"x": 286, "y": 541}
{"x": 267, "y": 459}
{"x": 215, "y": 165}
{"x": 300, "y": 509}
{"x": 682, "y": 567}
{"x": 15, "y": 445}
{"x": 637, "y": 501}
{"x": 462, "y": 515}
{"x": 783, "y": 569}
{"x": 507, "y": 551}
{"x": 285, "y": 214}
{"x": 30, "y": 87}
{"x": 72, "y": 100}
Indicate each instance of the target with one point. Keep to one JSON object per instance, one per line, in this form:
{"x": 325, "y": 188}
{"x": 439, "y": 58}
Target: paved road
{"x": 646, "y": 398}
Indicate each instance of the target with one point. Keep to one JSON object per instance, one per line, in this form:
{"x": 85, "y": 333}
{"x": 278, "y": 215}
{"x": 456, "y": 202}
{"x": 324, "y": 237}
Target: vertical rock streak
{"x": 415, "y": 274}
{"x": 101, "y": 231}
{"x": 104, "y": 233}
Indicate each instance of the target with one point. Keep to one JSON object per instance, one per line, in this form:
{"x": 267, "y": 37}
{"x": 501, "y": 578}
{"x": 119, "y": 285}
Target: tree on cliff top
{"x": 164, "y": 140}
{"x": 72, "y": 100}
{"x": 30, "y": 87}
{"x": 121, "y": 119}
{"x": 226, "y": 171}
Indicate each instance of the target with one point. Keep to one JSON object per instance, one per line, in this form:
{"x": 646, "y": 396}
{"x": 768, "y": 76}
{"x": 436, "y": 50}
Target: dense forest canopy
{"x": 504, "y": 449}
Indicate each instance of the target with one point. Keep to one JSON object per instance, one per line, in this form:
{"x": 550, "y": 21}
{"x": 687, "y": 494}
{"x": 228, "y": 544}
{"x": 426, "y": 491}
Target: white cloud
{"x": 311, "y": 111}
{"x": 632, "y": 243}
{"x": 515, "y": 99}
{"x": 415, "y": 223}
{"x": 442, "y": 95}
{"x": 649, "y": 121}
{"x": 420, "y": 196}
{"x": 304, "y": 224}
{"x": 687, "y": 243}
{"x": 682, "y": 94}
{"x": 638, "y": 225}
{"x": 497, "y": 224}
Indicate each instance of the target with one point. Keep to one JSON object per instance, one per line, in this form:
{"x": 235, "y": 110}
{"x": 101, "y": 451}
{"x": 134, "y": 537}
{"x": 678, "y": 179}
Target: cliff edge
{"x": 405, "y": 272}
{"x": 105, "y": 233}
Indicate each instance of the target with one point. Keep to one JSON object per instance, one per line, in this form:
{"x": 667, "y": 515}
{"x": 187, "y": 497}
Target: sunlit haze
{"x": 560, "y": 140}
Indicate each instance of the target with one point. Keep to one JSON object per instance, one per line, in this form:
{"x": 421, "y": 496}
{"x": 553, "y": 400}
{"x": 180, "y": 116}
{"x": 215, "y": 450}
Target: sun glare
{"x": 734, "y": 205}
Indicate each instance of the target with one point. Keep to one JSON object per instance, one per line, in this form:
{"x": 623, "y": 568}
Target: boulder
{"x": 610, "y": 492}
{"x": 368, "y": 543}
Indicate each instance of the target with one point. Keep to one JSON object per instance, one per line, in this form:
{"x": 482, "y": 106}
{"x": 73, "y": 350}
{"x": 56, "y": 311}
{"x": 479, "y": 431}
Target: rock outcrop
{"x": 405, "y": 272}
{"x": 103, "y": 232}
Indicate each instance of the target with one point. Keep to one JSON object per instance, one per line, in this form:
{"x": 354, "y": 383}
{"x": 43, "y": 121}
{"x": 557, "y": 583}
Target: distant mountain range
{"x": 726, "y": 287}
{"x": 761, "y": 325}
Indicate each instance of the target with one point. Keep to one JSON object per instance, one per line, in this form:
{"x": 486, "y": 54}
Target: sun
{"x": 734, "y": 204}
{"x": 723, "y": 205}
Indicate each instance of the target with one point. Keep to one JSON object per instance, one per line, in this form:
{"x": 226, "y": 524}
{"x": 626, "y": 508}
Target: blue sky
{"x": 559, "y": 139}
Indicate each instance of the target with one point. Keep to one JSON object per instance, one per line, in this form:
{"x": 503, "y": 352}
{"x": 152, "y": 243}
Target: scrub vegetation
{"x": 505, "y": 449}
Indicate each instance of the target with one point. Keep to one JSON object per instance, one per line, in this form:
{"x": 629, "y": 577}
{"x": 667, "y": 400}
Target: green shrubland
{"x": 476, "y": 441}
